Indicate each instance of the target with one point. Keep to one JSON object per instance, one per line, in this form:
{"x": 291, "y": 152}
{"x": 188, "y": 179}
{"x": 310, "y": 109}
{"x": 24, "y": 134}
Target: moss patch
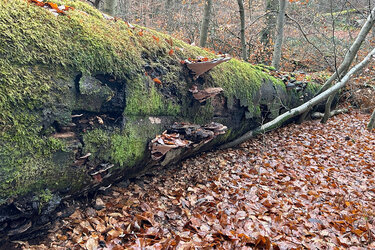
{"x": 124, "y": 147}
{"x": 145, "y": 99}
{"x": 242, "y": 81}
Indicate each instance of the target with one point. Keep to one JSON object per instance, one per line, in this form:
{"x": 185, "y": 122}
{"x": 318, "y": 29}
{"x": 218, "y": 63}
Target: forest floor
{"x": 301, "y": 186}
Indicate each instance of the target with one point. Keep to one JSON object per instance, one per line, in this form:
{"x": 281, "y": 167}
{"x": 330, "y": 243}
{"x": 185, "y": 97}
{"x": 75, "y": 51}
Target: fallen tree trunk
{"x": 302, "y": 108}
{"x": 92, "y": 100}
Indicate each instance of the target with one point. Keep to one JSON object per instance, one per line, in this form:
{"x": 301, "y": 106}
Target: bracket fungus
{"x": 184, "y": 135}
{"x": 204, "y": 94}
{"x": 164, "y": 143}
{"x": 202, "y": 65}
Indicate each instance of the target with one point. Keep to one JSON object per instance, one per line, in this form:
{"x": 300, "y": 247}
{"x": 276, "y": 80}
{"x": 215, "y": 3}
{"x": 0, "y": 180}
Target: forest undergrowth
{"x": 301, "y": 186}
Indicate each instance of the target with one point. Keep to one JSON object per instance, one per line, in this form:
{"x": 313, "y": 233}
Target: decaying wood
{"x": 164, "y": 143}
{"x": 278, "y": 121}
{"x": 204, "y": 94}
{"x": 64, "y": 135}
{"x": 184, "y": 135}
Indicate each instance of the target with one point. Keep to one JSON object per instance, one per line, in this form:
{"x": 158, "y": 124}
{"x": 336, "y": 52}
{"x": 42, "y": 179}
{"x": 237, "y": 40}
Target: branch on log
{"x": 318, "y": 115}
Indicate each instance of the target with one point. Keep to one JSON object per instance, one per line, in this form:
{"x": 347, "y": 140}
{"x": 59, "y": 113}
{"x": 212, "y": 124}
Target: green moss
{"x": 264, "y": 67}
{"x": 313, "y": 88}
{"x": 240, "y": 80}
{"x": 339, "y": 13}
{"x": 124, "y": 147}
{"x": 143, "y": 100}
{"x": 45, "y": 196}
{"x": 127, "y": 148}
{"x": 201, "y": 113}
{"x": 97, "y": 142}
{"x": 35, "y": 49}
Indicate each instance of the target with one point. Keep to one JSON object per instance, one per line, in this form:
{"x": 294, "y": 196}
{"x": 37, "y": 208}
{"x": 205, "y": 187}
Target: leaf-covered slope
{"x": 292, "y": 189}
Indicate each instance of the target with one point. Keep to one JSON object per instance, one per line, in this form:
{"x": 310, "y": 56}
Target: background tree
{"x": 280, "y": 34}
{"x": 242, "y": 19}
{"x": 268, "y": 32}
{"x": 205, "y": 23}
{"x": 109, "y": 7}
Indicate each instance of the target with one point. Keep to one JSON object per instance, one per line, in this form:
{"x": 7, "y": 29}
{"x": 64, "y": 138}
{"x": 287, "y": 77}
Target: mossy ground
{"x": 37, "y": 48}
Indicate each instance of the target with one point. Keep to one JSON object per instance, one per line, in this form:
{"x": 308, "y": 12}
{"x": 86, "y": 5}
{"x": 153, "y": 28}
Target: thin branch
{"x": 249, "y": 25}
{"x": 308, "y": 40}
{"x": 334, "y": 41}
{"x": 259, "y": 17}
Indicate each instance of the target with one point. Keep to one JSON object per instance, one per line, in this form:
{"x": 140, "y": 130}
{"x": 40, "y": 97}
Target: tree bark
{"x": 110, "y": 7}
{"x": 280, "y": 35}
{"x": 167, "y": 7}
{"x": 278, "y": 121}
{"x": 250, "y": 9}
{"x": 242, "y": 17}
{"x": 318, "y": 115}
{"x": 205, "y": 23}
{"x": 371, "y": 124}
{"x": 96, "y": 3}
{"x": 123, "y": 9}
{"x": 268, "y": 32}
{"x": 327, "y": 111}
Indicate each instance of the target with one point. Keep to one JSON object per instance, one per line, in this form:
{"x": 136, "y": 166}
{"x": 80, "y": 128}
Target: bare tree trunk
{"x": 109, "y": 7}
{"x": 278, "y": 121}
{"x": 371, "y": 124}
{"x": 123, "y": 9}
{"x": 96, "y": 3}
{"x": 268, "y": 32}
{"x": 280, "y": 35}
{"x": 250, "y": 9}
{"x": 242, "y": 17}
{"x": 327, "y": 111}
{"x": 168, "y": 13}
{"x": 205, "y": 23}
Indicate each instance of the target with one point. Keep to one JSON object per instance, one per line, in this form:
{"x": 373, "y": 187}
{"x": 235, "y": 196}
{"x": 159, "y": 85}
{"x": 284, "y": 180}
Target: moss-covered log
{"x": 80, "y": 102}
